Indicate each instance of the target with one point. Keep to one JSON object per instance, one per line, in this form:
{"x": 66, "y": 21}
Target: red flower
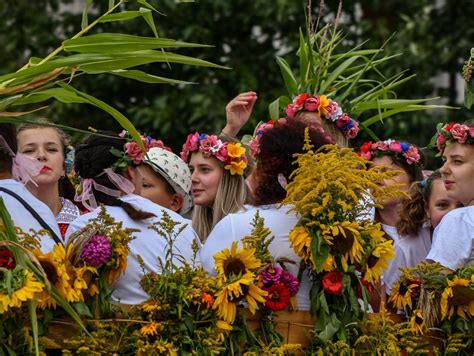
{"x": 300, "y": 99}
{"x": 369, "y": 286}
{"x": 7, "y": 260}
{"x": 278, "y": 297}
{"x": 332, "y": 283}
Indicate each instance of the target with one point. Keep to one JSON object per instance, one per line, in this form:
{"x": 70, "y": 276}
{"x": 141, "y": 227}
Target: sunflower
{"x": 301, "y": 242}
{"x": 345, "y": 241}
{"x": 402, "y": 291}
{"x": 417, "y": 322}
{"x": 221, "y": 324}
{"x": 51, "y": 268}
{"x": 254, "y": 295}
{"x": 26, "y": 290}
{"x": 226, "y": 309}
{"x": 458, "y": 297}
{"x": 120, "y": 255}
{"x": 378, "y": 260}
{"x": 233, "y": 262}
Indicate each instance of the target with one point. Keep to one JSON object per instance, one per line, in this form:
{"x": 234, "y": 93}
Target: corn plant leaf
{"x": 147, "y": 5}
{"x": 118, "y": 43}
{"x": 147, "y": 78}
{"x": 148, "y": 17}
{"x": 85, "y": 21}
{"x": 120, "y": 16}
{"x": 274, "y": 109}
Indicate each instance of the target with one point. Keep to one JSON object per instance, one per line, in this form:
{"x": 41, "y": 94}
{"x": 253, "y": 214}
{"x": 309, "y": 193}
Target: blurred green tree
{"x": 434, "y": 37}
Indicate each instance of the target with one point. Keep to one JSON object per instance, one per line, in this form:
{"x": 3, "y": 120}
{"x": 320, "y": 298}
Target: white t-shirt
{"x": 453, "y": 239}
{"x": 409, "y": 251}
{"x": 147, "y": 243}
{"x": 22, "y": 217}
{"x": 236, "y": 226}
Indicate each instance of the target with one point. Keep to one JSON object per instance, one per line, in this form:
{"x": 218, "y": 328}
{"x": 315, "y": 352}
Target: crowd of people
{"x": 217, "y": 184}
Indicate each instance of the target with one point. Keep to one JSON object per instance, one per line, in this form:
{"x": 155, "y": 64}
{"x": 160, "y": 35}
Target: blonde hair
{"x": 329, "y": 127}
{"x": 230, "y": 198}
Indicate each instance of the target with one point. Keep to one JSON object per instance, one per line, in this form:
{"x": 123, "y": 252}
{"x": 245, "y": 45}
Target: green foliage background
{"x": 434, "y": 36}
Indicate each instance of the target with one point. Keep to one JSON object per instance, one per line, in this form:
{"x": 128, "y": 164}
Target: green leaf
{"x": 82, "y": 309}
{"x": 148, "y": 17}
{"x": 468, "y": 94}
{"x": 147, "y": 5}
{"x": 121, "y": 119}
{"x": 111, "y": 4}
{"x": 337, "y": 72}
{"x": 288, "y": 77}
{"x": 304, "y": 63}
{"x": 319, "y": 250}
{"x": 330, "y": 329}
{"x": 120, "y": 16}
{"x": 274, "y": 109}
{"x": 147, "y": 78}
{"x": 85, "y": 21}
{"x": 34, "y": 323}
{"x": 120, "y": 43}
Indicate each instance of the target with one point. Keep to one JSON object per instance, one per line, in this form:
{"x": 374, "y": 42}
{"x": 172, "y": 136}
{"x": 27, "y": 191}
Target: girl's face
{"x": 400, "y": 178}
{"x": 206, "y": 174}
{"x": 157, "y": 189}
{"x": 45, "y": 145}
{"x": 458, "y": 172}
{"x": 439, "y": 203}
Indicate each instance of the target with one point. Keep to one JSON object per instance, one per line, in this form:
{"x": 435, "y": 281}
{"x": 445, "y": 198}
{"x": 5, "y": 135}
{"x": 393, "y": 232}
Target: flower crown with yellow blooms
{"x": 232, "y": 154}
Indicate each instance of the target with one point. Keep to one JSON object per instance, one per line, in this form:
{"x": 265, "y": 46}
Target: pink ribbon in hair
{"x": 87, "y": 197}
{"x": 24, "y": 167}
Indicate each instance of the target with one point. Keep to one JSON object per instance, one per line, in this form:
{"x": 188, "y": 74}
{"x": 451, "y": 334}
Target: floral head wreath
{"x": 400, "y": 150}
{"x": 254, "y": 143}
{"x": 327, "y": 108}
{"x": 453, "y": 132}
{"x": 132, "y": 153}
{"x": 232, "y": 154}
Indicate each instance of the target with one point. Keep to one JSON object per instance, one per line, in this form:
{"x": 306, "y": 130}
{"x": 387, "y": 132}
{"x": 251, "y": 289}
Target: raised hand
{"x": 238, "y": 112}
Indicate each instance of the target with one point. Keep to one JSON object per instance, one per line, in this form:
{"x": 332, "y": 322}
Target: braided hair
{"x": 92, "y": 157}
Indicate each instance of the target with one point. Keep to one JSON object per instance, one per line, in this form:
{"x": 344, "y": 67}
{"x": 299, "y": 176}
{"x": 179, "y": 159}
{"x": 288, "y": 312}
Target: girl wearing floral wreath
{"x": 26, "y": 211}
{"x": 217, "y": 168}
{"x": 453, "y": 239}
{"x": 277, "y": 143}
{"x": 111, "y": 178}
{"x": 52, "y": 186}
{"x": 408, "y": 160}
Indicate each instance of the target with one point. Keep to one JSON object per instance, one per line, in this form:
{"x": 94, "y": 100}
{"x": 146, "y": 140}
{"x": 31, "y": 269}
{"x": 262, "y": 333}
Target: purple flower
{"x": 271, "y": 274}
{"x": 291, "y": 282}
{"x": 97, "y": 251}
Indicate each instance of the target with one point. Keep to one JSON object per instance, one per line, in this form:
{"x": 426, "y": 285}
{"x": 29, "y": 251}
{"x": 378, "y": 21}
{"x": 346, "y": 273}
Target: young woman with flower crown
{"x": 275, "y": 145}
{"x": 16, "y": 170}
{"x": 217, "y": 168}
{"x": 408, "y": 160}
{"x": 111, "y": 178}
{"x": 453, "y": 239}
{"x": 48, "y": 145}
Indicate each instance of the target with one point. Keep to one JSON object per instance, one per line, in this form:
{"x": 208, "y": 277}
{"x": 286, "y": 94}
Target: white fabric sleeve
{"x": 221, "y": 237}
{"x": 452, "y": 242}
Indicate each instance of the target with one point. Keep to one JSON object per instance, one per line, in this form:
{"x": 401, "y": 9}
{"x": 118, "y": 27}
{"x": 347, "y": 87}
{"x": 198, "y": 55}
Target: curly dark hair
{"x": 8, "y": 131}
{"x": 92, "y": 157}
{"x": 277, "y": 148}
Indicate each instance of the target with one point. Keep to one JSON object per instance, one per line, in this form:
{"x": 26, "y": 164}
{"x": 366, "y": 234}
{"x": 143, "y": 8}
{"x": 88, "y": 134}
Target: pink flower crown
{"x": 132, "y": 153}
{"x": 395, "y": 148}
{"x": 326, "y": 108}
{"x": 453, "y": 132}
{"x": 232, "y": 154}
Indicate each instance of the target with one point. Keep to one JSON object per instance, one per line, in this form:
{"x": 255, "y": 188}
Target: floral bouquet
{"x": 98, "y": 255}
{"x": 435, "y": 299}
{"x": 333, "y": 191}
{"x": 27, "y": 280}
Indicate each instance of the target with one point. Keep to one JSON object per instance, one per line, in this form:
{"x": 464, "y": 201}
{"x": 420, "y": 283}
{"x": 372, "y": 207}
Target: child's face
{"x": 439, "y": 204}
{"x": 401, "y": 178}
{"x": 156, "y": 188}
{"x": 458, "y": 172}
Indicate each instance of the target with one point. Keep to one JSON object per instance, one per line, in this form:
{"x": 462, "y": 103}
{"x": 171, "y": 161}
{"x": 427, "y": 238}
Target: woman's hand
{"x": 238, "y": 112}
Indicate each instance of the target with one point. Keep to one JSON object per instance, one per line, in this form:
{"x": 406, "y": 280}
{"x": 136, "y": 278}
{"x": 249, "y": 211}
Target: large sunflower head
{"x": 402, "y": 293}
{"x": 459, "y": 297}
{"x": 378, "y": 260}
{"x": 417, "y": 322}
{"x": 301, "y": 242}
{"x": 23, "y": 286}
{"x": 235, "y": 262}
